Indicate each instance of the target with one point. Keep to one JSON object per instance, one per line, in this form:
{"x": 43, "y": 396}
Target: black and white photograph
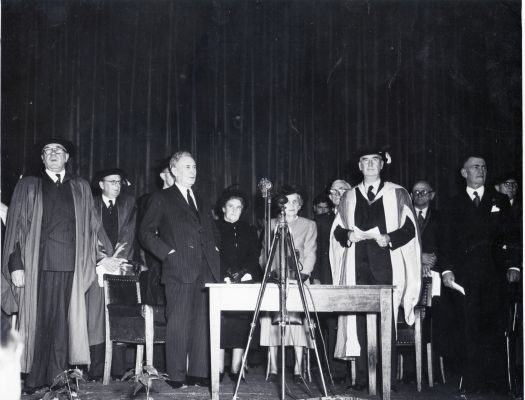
{"x": 261, "y": 199}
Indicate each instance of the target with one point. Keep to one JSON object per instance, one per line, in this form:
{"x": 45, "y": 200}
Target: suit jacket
{"x": 127, "y": 213}
{"x": 475, "y": 236}
{"x": 322, "y": 270}
{"x": 169, "y": 223}
{"x": 430, "y": 232}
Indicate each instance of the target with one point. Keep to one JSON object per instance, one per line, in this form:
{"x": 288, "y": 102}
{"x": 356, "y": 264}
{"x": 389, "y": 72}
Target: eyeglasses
{"x": 421, "y": 193}
{"x": 510, "y": 184}
{"x": 337, "y": 192}
{"x": 53, "y": 150}
{"x": 115, "y": 183}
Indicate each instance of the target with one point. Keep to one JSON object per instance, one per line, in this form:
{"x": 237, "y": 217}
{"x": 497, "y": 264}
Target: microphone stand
{"x": 283, "y": 241}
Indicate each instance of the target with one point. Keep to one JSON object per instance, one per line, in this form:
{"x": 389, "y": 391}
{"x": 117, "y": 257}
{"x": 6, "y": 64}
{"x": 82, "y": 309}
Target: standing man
{"x": 48, "y": 264}
{"x": 477, "y": 220}
{"x": 322, "y": 274}
{"x": 117, "y": 212}
{"x": 376, "y": 227}
{"x": 178, "y": 229}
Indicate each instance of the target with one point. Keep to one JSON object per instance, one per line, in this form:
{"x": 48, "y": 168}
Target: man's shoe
{"x": 197, "y": 381}
{"x": 272, "y": 377}
{"x": 29, "y": 390}
{"x": 175, "y": 384}
{"x": 234, "y": 376}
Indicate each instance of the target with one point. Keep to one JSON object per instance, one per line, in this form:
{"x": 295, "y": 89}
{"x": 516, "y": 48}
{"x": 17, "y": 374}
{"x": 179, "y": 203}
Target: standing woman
{"x": 304, "y": 235}
{"x": 240, "y": 250}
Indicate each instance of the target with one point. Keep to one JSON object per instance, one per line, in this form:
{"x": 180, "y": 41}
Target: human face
{"x": 232, "y": 210}
{"x": 167, "y": 178}
{"x": 321, "y": 208}
{"x": 422, "y": 194}
{"x": 185, "y": 171}
{"x": 293, "y": 206}
{"x": 371, "y": 165}
{"x": 336, "y": 191}
{"x": 509, "y": 187}
{"x": 55, "y": 157}
{"x": 111, "y": 185}
{"x": 475, "y": 172}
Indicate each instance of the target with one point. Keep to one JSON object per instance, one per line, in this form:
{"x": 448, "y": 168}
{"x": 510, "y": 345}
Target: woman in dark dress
{"x": 240, "y": 250}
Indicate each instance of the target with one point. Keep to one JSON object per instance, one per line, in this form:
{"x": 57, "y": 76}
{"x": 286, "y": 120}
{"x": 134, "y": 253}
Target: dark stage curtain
{"x": 281, "y": 89}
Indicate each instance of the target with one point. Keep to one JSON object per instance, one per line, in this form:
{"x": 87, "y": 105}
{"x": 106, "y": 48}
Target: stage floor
{"x": 256, "y": 388}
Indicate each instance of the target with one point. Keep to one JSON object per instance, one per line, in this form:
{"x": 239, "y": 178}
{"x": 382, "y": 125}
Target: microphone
{"x": 264, "y": 186}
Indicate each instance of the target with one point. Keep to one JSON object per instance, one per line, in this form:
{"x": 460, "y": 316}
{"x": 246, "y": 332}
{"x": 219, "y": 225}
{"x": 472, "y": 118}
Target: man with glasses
{"x": 322, "y": 274}
{"x": 477, "y": 222}
{"x": 48, "y": 264}
{"x": 117, "y": 212}
{"x": 375, "y": 228}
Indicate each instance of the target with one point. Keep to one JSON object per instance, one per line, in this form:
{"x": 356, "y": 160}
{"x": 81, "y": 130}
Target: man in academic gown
{"x": 117, "y": 212}
{"x": 389, "y": 254}
{"x": 48, "y": 264}
{"x": 178, "y": 229}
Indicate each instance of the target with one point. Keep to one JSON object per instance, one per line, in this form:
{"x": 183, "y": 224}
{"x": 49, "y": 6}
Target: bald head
{"x": 422, "y": 194}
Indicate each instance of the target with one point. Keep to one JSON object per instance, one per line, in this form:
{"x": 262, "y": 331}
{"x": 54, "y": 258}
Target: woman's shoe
{"x": 234, "y": 376}
{"x": 272, "y": 377}
{"x": 297, "y": 378}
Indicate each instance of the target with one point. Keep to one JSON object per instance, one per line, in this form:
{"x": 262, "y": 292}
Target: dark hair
{"x": 322, "y": 198}
{"x": 287, "y": 190}
{"x": 231, "y": 192}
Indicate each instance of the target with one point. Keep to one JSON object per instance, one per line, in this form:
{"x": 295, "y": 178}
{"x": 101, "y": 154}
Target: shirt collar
{"x": 53, "y": 175}
{"x": 423, "y": 210}
{"x": 479, "y": 191}
{"x": 375, "y": 186}
{"x": 184, "y": 191}
{"x": 106, "y": 200}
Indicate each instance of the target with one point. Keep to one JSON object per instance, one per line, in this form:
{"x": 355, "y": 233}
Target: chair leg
{"x": 308, "y": 371}
{"x": 442, "y": 368}
{"x": 429, "y": 365}
{"x": 354, "y": 373}
{"x": 418, "y": 344}
{"x": 138, "y": 361}
{"x": 107, "y": 362}
{"x": 148, "y": 319}
{"x": 400, "y": 365}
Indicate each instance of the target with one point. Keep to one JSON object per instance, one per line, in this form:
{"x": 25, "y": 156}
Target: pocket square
{"x": 494, "y": 209}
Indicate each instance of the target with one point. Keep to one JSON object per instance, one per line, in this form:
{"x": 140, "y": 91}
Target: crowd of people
{"x": 61, "y": 237}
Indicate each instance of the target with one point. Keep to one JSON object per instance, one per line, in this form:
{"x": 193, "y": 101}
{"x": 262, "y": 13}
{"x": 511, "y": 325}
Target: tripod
{"x": 283, "y": 242}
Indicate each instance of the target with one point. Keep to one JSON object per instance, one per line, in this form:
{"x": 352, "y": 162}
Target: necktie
{"x": 110, "y": 208}
{"x": 192, "y": 203}
{"x": 57, "y": 182}
{"x": 420, "y": 219}
{"x": 476, "y": 200}
{"x": 371, "y": 196}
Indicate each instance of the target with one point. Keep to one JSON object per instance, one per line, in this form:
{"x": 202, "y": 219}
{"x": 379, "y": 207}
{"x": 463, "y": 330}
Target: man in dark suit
{"x": 322, "y": 274}
{"x": 117, "y": 212}
{"x": 477, "y": 221}
{"x": 178, "y": 229}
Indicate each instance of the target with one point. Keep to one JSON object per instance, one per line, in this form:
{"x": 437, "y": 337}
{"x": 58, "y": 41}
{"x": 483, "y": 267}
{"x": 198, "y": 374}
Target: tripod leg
{"x": 257, "y": 308}
{"x": 290, "y": 243}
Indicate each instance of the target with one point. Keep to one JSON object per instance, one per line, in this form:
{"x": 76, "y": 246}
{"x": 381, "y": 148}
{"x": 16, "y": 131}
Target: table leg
{"x": 386, "y": 338}
{"x": 371, "y": 334}
{"x": 215, "y": 342}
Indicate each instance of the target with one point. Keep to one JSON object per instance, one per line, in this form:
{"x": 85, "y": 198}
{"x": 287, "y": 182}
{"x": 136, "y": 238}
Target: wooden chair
{"x": 413, "y": 336}
{"x": 130, "y": 321}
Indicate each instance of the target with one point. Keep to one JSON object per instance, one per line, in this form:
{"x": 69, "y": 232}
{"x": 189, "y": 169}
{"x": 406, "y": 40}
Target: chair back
{"x": 122, "y": 289}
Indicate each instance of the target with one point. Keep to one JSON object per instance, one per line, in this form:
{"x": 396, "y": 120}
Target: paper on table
{"x": 436, "y": 283}
{"x": 459, "y": 288}
{"x": 372, "y": 234}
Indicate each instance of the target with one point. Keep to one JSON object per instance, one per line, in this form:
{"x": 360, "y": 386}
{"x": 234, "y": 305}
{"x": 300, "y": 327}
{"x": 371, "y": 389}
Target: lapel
{"x": 177, "y": 196}
{"x": 121, "y": 203}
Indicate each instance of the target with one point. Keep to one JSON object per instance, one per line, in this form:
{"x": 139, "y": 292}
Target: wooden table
{"x": 369, "y": 299}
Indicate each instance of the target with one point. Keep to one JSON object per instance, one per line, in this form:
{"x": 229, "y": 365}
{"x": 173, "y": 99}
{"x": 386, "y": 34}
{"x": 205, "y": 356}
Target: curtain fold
{"x": 286, "y": 90}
